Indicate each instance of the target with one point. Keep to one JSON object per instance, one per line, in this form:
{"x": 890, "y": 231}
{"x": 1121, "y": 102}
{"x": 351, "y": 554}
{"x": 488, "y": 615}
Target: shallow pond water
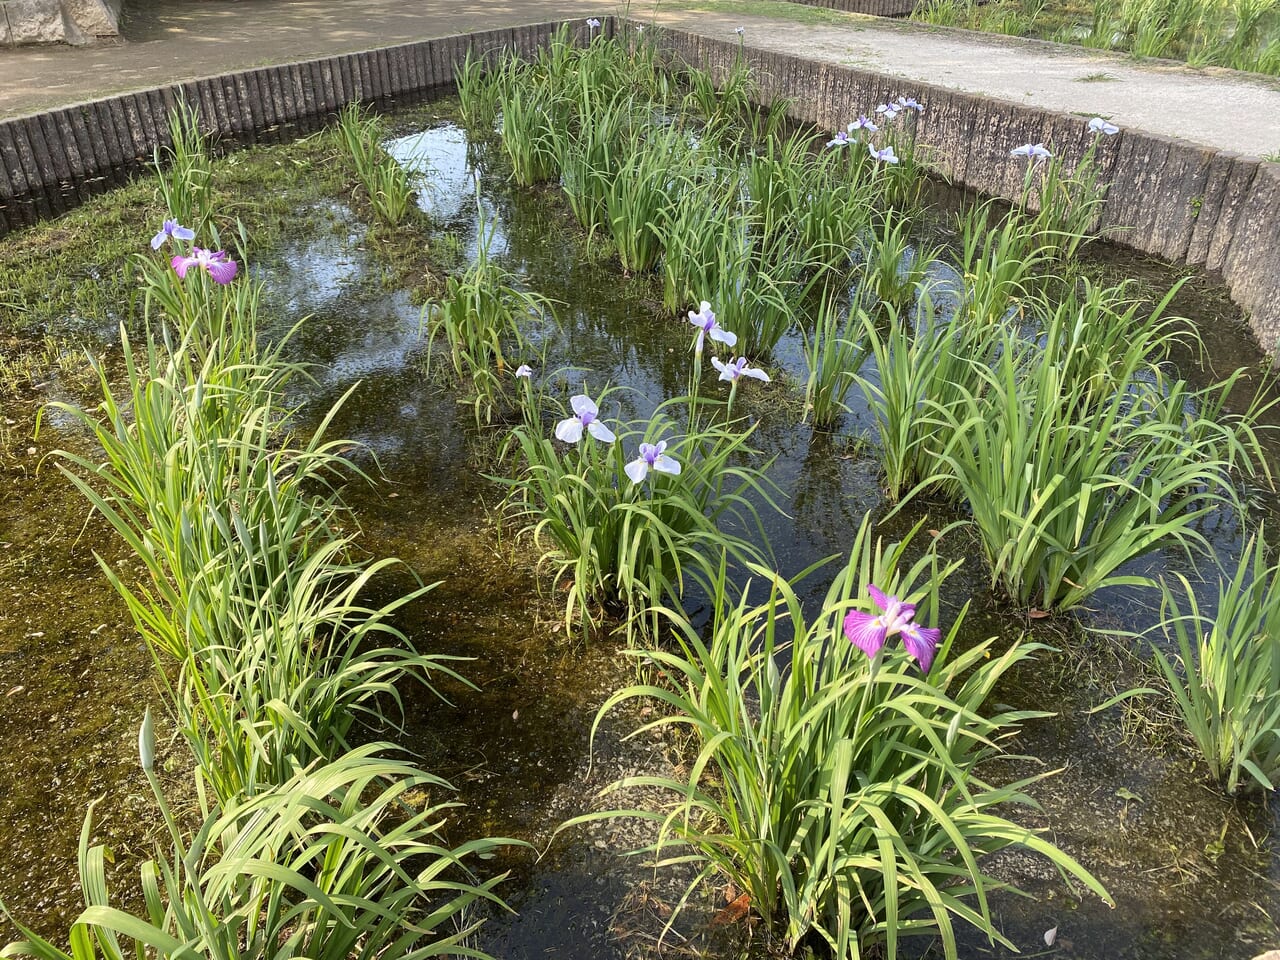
{"x": 1194, "y": 875}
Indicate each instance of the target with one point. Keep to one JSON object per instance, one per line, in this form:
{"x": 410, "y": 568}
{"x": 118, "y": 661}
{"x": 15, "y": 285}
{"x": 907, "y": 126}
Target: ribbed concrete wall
{"x": 1181, "y": 201}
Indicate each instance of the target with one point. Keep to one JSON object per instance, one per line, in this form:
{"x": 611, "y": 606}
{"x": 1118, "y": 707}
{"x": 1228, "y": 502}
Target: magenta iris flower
{"x": 586, "y": 415}
{"x": 705, "y": 321}
{"x": 221, "y": 267}
{"x": 652, "y": 457}
{"x": 868, "y": 632}
{"x": 172, "y": 230}
{"x": 736, "y": 369}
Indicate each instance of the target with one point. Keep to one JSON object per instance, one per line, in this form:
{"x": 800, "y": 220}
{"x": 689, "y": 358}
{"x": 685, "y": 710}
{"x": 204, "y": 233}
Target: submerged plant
{"x": 838, "y": 791}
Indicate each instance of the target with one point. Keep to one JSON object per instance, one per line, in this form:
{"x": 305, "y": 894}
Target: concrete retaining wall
{"x": 1181, "y": 201}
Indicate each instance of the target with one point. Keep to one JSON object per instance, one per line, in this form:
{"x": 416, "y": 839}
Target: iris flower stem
{"x": 695, "y": 379}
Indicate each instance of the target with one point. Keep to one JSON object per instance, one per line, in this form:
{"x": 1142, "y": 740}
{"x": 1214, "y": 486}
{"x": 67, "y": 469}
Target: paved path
{"x": 168, "y": 40}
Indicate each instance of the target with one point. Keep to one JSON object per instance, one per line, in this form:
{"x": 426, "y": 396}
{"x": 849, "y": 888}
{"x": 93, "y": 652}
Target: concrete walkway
{"x": 183, "y": 39}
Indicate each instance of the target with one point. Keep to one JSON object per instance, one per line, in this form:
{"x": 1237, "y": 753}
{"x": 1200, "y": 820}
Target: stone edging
{"x": 1181, "y": 201}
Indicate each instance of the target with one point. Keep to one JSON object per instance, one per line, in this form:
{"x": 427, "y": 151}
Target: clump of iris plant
{"x": 586, "y": 416}
{"x": 215, "y": 262}
{"x": 868, "y": 631}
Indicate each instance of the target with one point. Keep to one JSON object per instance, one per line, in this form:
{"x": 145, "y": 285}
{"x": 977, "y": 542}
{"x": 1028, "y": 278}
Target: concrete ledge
{"x": 1177, "y": 200}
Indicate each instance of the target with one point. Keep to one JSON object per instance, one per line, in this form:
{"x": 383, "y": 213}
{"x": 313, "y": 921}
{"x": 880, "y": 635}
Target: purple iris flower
{"x": 705, "y": 321}
{"x": 888, "y": 110}
{"x": 524, "y": 370}
{"x": 585, "y": 415}
{"x": 884, "y": 156}
{"x": 862, "y": 123}
{"x": 221, "y": 267}
{"x": 172, "y": 229}
{"x": 910, "y": 103}
{"x": 735, "y": 369}
{"x": 1099, "y": 125}
{"x": 652, "y": 457}
{"x": 1032, "y": 151}
{"x": 868, "y": 632}
{"x": 841, "y": 140}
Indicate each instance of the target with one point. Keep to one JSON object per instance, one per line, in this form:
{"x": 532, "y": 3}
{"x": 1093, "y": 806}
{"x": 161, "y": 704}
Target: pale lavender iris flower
{"x": 868, "y": 632}
{"x": 910, "y": 103}
{"x": 884, "y": 156}
{"x": 593, "y": 23}
{"x": 1032, "y": 151}
{"x": 841, "y": 140}
{"x": 219, "y": 266}
{"x": 652, "y": 457}
{"x": 708, "y": 326}
{"x": 888, "y": 110}
{"x": 863, "y": 123}
{"x": 1099, "y": 125}
{"x": 586, "y": 415}
{"x": 739, "y": 30}
{"x": 734, "y": 370}
{"x": 524, "y": 370}
{"x": 172, "y": 230}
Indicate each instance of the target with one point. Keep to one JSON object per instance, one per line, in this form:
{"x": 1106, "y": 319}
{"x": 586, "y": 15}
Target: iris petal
{"x": 570, "y": 430}
{"x": 864, "y": 632}
{"x": 921, "y": 643}
{"x": 882, "y": 601}
{"x": 223, "y": 271}
{"x": 665, "y": 464}
{"x": 637, "y": 470}
{"x": 600, "y": 432}
{"x": 582, "y": 405}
